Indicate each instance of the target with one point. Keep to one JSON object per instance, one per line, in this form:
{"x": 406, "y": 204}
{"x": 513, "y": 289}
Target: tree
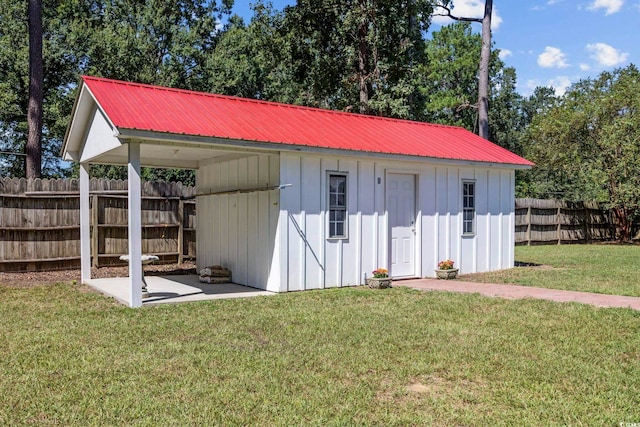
{"x": 254, "y": 61}
{"x": 234, "y": 67}
{"x": 357, "y": 55}
{"x": 506, "y": 113}
{"x": 58, "y": 71}
{"x": 33, "y": 148}
{"x": 587, "y": 147}
{"x": 449, "y": 76}
{"x": 529, "y": 182}
{"x": 154, "y": 42}
{"x": 541, "y": 100}
{"x": 149, "y": 41}
{"x": 485, "y": 58}
{"x": 483, "y": 79}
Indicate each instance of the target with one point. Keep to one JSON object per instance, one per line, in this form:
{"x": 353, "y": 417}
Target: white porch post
{"x": 135, "y": 225}
{"x": 85, "y": 225}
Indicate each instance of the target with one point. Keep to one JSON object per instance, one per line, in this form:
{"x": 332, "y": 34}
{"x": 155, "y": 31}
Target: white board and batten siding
{"x": 491, "y": 247}
{"x": 238, "y": 230}
{"x": 278, "y": 240}
{"x": 316, "y": 261}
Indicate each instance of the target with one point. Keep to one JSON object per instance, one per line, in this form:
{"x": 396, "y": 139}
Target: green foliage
{"x": 542, "y": 99}
{"x": 450, "y": 76}
{"x": 59, "y": 64}
{"x": 150, "y": 41}
{"x": 234, "y": 67}
{"x": 529, "y": 183}
{"x": 309, "y": 55}
{"x": 588, "y": 146}
{"x": 505, "y": 115}
{"x": 449, "y": 86}
{"x": 153, "y": 41}
{"x": 353, "y": 55}
{"x": 254, "y": 61}
{"x": 187, "y": 177}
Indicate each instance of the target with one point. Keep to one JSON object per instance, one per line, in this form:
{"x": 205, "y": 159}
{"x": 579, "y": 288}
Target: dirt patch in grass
{"x": 39, "y": 278}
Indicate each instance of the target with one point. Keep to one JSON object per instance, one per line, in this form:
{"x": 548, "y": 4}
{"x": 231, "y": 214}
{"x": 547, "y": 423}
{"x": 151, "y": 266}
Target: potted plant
{"x": 380, "y": 279}
{"x": 445, "y": 270}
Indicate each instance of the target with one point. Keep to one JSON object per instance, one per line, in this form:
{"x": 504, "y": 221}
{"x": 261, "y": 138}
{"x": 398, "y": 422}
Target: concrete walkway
{"x": 518, "y": 292}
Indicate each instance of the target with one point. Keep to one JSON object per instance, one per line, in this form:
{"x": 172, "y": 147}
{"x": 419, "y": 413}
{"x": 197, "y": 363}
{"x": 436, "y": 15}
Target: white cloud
{"x": 610, "y": 6}
{"x": 530, "y": 86}
{"x": 550, "y": 3}
{"x": 469, "y": 9}
{"x": 559, "y": 84}
{"x": 552, "y": 57}
{"x": 585, "y": 67}
{"x": 606, "y": 55}
{"x": 505, "y": 53}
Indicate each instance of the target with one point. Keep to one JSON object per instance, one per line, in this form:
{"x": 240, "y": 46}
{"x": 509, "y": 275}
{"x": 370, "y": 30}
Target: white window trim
{"x": 345, "y": 236}
{"x": 475, "y": 203}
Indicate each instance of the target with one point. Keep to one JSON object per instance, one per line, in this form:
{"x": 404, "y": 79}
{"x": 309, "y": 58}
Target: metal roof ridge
{"x": 272, "y": 103}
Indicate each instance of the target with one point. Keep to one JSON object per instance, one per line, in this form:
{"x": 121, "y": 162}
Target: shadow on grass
{"x": 525, "y": 264}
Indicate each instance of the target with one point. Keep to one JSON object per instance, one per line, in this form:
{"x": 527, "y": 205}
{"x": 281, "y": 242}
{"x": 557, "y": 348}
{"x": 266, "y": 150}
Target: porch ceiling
{"x": 181, "y": 156}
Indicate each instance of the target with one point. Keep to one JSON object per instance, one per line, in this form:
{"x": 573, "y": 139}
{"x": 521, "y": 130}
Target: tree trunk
{"x": 622, "y": 220}
{"x": 483, "y": 83}
{"x": 33, "y": 148}
{"x": 413, "y": 25}
{"x": 363, "y": 59}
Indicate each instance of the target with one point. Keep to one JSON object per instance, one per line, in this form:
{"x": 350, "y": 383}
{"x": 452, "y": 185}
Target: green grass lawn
{"x": 605, "y": 269}
{"x": 335, "y": 357}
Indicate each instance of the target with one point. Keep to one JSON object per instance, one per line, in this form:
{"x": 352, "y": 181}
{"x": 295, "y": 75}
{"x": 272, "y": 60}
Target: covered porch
{"x": 93, "y": 137}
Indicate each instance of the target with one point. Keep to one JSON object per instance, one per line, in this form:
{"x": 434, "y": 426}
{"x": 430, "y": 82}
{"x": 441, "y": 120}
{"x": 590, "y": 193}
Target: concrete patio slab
{"x": 173, "y": 289}
{"x": 516, "y": 292}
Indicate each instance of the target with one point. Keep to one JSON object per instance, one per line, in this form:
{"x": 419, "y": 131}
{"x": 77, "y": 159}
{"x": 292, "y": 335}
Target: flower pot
{"x": 379, "y": 282}
{"x": 451, "y": 273}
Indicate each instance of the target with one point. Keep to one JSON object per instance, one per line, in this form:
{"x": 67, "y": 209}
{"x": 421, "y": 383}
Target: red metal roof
{"x": 173, "y": 111}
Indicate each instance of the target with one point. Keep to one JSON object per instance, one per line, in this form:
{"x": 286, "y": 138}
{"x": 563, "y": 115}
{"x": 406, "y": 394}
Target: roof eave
{"x": 65, "y": 140}
{"x": 278, "y": 146}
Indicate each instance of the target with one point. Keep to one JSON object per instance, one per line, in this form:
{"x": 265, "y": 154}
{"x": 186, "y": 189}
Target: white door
{"x": 401, "y": 208}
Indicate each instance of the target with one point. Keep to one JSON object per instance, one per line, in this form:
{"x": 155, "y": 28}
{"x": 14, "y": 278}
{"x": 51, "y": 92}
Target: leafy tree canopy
{"x": 151, "y": 41}
{"x": 60, "y": 72}
{"x": 587, "y": 147}
{"x": 338, "y": 54}
{"x": 354, "y": 55}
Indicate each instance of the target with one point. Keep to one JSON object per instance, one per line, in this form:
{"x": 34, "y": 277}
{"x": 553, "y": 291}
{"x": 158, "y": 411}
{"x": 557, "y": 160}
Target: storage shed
{"x": 294, "y": 198}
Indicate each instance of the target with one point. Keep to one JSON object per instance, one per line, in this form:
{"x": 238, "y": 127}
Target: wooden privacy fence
{"x": 555, "y": 222}
{"x": 40, "y": 222}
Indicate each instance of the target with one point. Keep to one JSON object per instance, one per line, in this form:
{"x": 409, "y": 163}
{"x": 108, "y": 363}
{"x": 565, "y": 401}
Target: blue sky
{"x": 549, "y": 42}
